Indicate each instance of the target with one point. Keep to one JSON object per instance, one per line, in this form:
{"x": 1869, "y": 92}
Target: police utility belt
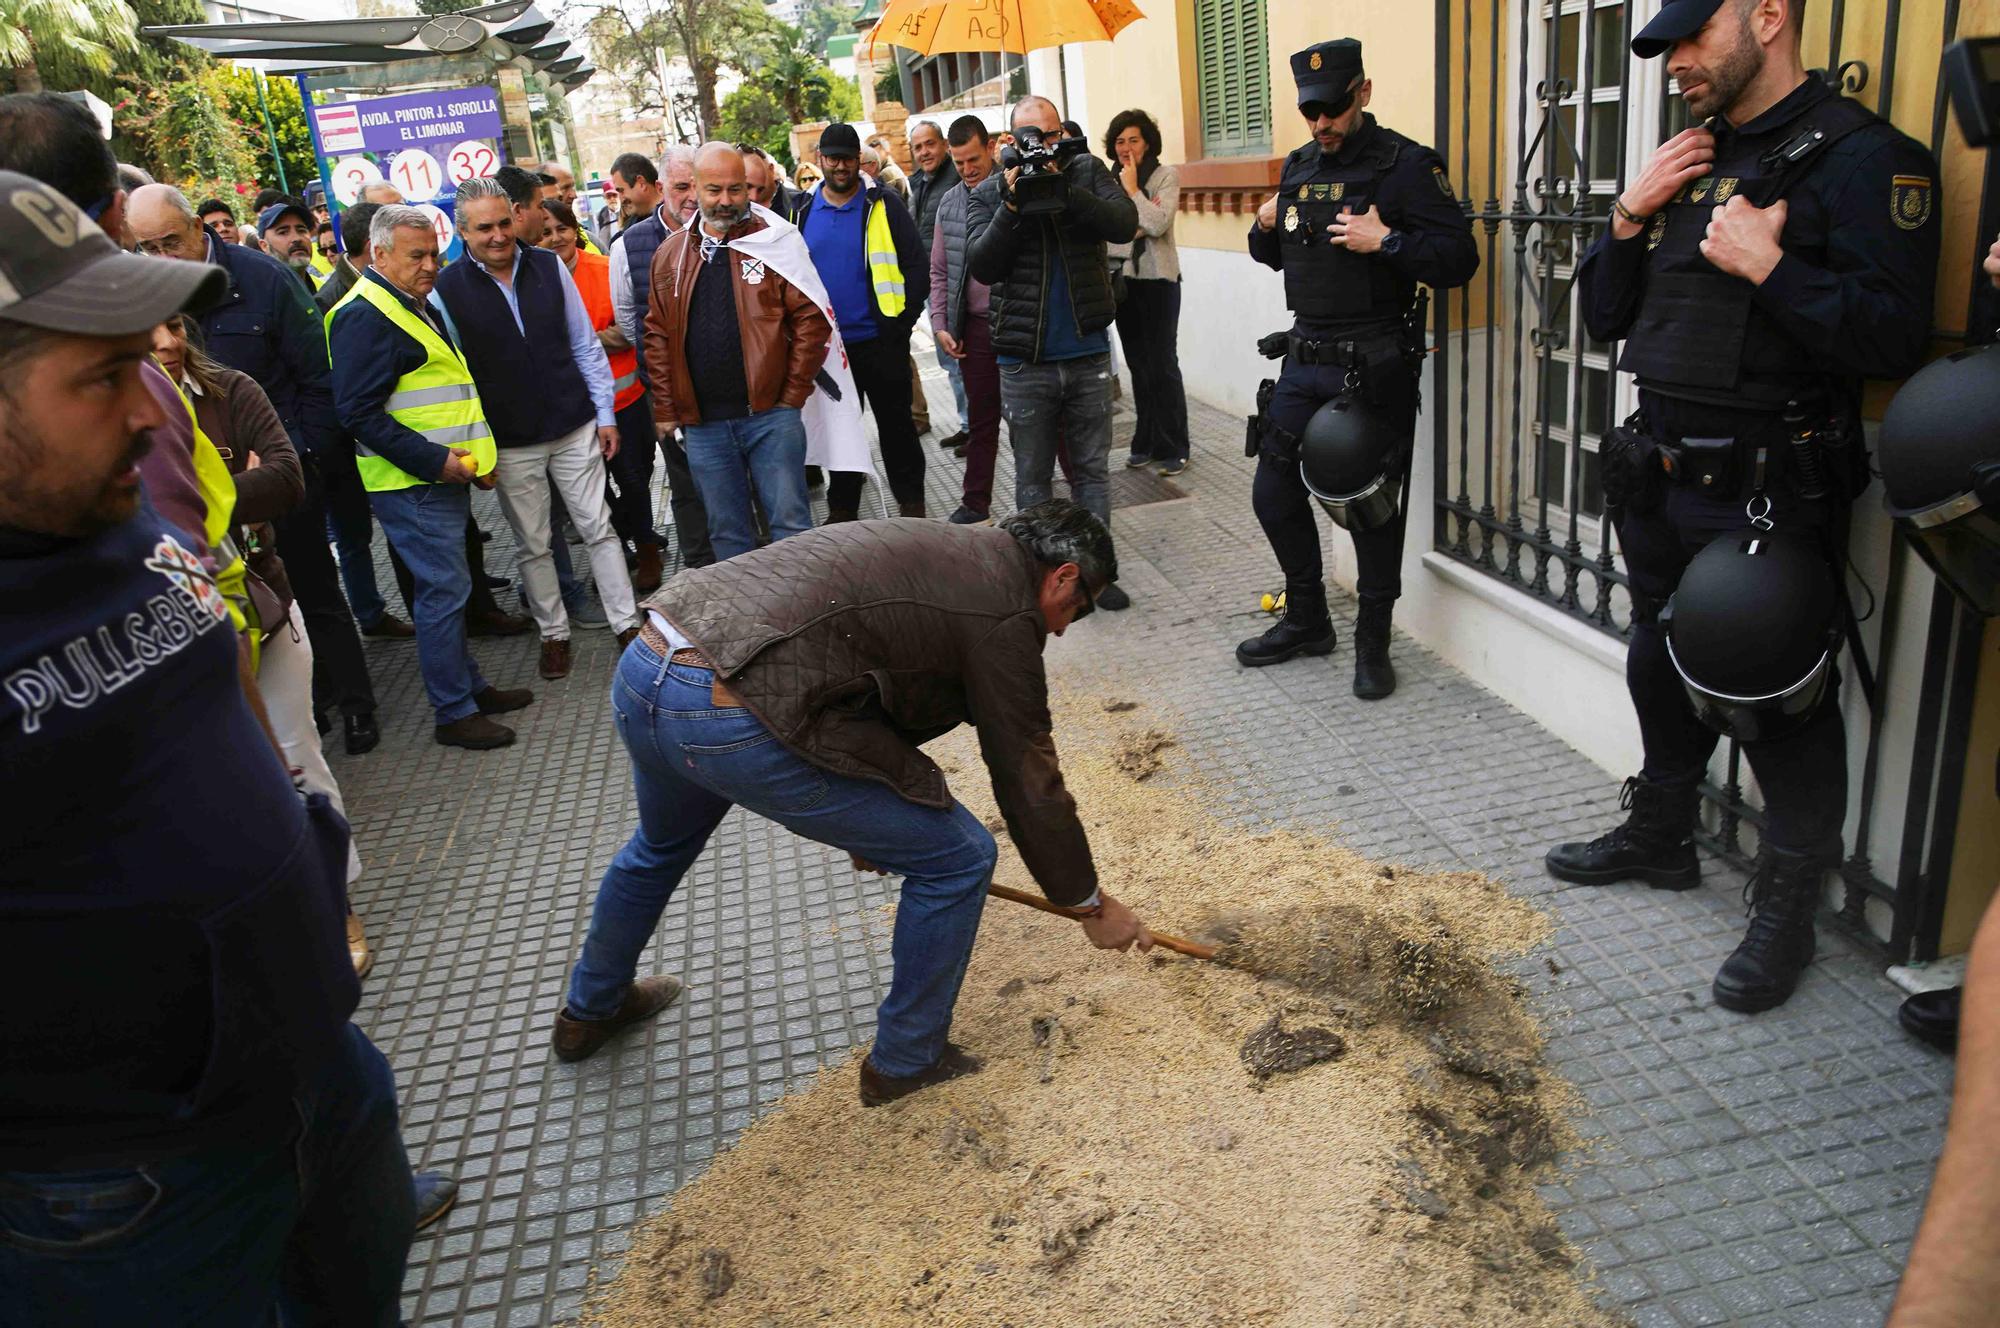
{"x": 1808, "y": 452}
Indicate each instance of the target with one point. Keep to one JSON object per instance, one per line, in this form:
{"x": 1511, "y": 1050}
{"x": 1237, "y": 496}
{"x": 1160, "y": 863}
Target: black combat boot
{"x": 1783, "y": 894}
{"x": 1655, "y": 845}
{"x": 1306, "y": 629}
{"x": 1374, "y": 675}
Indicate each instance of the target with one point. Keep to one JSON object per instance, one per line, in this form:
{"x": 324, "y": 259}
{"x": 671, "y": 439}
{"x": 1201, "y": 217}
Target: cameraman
{"x": 1051, "y": 302}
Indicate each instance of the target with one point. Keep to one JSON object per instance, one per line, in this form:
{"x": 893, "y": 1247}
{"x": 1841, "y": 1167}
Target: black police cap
{"x": 1327, "y": 73}
{"x": 1677, "y": 21}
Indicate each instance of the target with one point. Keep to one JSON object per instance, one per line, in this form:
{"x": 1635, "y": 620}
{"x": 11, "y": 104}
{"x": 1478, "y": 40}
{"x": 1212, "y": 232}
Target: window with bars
{"x": 1233, "y": 69}
{"x": 1585, "y": 39}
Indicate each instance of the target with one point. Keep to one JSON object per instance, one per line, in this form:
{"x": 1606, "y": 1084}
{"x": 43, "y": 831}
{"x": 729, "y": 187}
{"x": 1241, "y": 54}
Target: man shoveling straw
{"x": 799, "y": 681}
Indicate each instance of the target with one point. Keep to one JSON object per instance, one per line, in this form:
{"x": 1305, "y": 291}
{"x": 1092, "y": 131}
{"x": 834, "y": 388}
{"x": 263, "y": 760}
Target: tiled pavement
{"x": 1756, "y": 1171}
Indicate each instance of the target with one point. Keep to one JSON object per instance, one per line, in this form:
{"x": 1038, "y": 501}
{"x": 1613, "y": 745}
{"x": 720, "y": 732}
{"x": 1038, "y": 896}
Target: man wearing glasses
{"x": 800, "y": 681}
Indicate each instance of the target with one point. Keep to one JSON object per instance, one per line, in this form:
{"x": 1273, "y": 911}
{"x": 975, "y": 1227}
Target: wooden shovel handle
{"x": 1174, "y": 943}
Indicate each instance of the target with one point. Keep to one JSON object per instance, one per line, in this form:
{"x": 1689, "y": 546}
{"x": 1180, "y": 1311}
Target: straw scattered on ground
{"x": 1342, "y": 1123}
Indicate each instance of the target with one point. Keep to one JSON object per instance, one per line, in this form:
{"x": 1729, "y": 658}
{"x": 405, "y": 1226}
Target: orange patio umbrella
{"x": 1018, "y": 26}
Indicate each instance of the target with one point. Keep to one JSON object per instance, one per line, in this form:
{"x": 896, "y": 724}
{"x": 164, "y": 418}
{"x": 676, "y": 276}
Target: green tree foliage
{"x": 192, "y": 137}
{"x": 889, "y": 86}
{"x": 87, "y": 35}
{"x": 638, "y": 40}
{"x": 821, "y": 20}
{"x": 752, "y": 115}
{"x": 436, "y": 7}
{"x": 288, "y": 122}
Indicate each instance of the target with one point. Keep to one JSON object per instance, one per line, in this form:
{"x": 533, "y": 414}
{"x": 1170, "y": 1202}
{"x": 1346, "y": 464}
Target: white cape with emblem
{"x": 832, "y": 415}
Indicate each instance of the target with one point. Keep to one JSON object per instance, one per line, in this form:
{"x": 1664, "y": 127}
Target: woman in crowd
{"x": 806, "y": 177}
{"x": 1149, "y": 315}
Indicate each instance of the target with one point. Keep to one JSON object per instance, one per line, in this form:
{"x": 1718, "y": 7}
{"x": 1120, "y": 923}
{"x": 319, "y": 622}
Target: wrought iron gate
{"x": 1541, "y": 111}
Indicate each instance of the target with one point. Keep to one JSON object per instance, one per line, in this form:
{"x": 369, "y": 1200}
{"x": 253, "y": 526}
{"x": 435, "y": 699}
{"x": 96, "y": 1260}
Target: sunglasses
{"x": 1089, "y": 601}
{"x": 1332, "y": 110}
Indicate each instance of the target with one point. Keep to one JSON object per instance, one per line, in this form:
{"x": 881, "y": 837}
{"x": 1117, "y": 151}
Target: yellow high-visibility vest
{"x": 218, "y": 496}
{"x": 437, "y": 399}
{"x": 320, "y": 265}
{"x": 883, "y": 270}
{"x": 588, "y": 245}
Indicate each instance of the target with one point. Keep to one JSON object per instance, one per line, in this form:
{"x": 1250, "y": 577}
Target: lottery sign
{"x": 417, "y": 173}
{"x": 351, "y": 175}
{"x": 470, "y": 160}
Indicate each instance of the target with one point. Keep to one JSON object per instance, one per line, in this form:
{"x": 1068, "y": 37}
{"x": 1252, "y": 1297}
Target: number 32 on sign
{"x": 417, "y": 173}
{"x": 471, "y": 160}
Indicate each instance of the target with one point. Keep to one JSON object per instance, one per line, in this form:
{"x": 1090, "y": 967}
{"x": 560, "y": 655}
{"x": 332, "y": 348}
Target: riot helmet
{"x": 1752, "y": 630}
{"x": 1343, "y": 460}
{"x": 1940, "y": 427}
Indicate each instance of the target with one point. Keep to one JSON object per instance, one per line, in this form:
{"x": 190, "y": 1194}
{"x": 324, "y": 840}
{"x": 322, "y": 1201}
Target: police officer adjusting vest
{"x": 1326, "y": 285}
{"x": 1699, "y": 334}
{"x": 436, "y": 399}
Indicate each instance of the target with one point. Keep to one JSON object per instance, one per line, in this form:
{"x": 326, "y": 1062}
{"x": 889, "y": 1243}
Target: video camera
{"x": 1040, "y": 189}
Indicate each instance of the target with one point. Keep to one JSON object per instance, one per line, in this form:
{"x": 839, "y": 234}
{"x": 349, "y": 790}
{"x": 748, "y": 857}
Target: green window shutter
{"x": 1233, "y": 68}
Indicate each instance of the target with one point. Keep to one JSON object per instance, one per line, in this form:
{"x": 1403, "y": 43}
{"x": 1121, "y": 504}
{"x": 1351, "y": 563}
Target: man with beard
{"x": 877, "y": 275}
{"x": 287, "y": 227}
{"x": 1765, "y": 262}
{"x": 194, "y": 1132}
{"x": 650, "y": 210}
{"x": 732, "y": 349}
{"x": 935, "y": 177}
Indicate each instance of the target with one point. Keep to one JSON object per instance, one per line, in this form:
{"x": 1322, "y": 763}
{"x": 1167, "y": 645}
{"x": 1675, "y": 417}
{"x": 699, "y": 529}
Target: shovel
{"x": 1174, "y": 943}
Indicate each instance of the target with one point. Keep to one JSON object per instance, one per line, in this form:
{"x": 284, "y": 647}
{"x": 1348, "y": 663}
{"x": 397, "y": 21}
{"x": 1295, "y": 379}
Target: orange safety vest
{"x": 593, "y": 282}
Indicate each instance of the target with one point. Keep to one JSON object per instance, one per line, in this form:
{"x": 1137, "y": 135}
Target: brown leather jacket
{"x": 856, "y": 643}
{"x": 784, "y": 333}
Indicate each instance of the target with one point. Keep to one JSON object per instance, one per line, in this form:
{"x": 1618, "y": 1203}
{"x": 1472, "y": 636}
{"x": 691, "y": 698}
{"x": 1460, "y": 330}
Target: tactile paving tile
{"x": 1757, "y": 1171}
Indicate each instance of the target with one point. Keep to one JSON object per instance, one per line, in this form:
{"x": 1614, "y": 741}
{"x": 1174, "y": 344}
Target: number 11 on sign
{"x": 417, "y": 173}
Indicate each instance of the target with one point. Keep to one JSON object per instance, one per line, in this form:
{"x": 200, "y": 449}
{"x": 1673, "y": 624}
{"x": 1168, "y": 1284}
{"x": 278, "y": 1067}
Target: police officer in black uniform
{"x": 1361, "y": 218}
{"x": 1762, "y": 264}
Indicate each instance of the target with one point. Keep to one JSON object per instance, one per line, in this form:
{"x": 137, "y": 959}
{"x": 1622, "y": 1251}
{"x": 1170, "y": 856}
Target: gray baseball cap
{"x": 59, "y": 271}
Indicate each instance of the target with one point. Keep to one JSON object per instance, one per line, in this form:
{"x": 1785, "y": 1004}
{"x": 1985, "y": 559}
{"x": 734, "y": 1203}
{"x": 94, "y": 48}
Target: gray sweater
{"x": 1157, "y": 203}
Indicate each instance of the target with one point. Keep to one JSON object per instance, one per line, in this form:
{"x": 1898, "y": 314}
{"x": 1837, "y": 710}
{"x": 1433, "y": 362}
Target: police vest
{"x": 1698, "y": 334}
{"x": 593, "y": 283}
{"x": 1325, "y": 282}
{"x": 436, "y": 399}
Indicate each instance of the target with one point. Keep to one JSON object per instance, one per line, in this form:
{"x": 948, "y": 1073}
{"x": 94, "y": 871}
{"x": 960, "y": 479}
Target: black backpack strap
{"x": 1820, "y": 128}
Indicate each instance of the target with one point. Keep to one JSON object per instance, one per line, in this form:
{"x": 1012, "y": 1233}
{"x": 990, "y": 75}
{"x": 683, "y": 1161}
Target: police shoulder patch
{"x": 1444, "y": 184}
{"x": 1910, "y": 201}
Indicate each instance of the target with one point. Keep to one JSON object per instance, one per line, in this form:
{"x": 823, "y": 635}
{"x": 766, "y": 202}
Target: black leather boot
{"x": 1655, "y": 845}
{"x": 1374, "y": 675}
{"x": 1783, "y": 894}
{"x": 1306, "y": 629}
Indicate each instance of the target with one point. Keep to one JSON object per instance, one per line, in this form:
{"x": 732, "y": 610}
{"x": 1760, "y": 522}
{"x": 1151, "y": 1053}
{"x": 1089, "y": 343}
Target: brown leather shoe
{"x": 647, "y": 572}
{"x": 474, "y": 733}
{"x": 576, "y": 1038}
{"x": 493, "y": 622}
{"x": 555, "y": 658}
{"x": 389, "y": 628}
{"x": 878, "y": 1088}
{"x": 835, "y": 515}
{"x": 914, "y": 508}
{"x": 626, "y": 638}
{"x": 357, "y": 946}
{"x": 493, "y": 701}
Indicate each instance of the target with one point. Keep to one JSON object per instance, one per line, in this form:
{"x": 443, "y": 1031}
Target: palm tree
{"x": 92, "y": 33}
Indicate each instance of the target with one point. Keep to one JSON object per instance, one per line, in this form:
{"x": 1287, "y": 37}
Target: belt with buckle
{"x": 691, "y": 657}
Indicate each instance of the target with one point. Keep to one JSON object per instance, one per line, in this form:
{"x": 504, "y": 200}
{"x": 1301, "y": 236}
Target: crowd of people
{"x": 206, "y": 417}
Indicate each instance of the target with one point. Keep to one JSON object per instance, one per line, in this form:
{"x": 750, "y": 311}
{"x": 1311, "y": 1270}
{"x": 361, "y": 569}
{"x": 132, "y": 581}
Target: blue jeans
{"x": 691, "y": 762}
{"x": 1067, "y": 401}
{"x": 727, "y": 457}
{"x": 426, "y": 523}
{"x": 310, "y": 1226}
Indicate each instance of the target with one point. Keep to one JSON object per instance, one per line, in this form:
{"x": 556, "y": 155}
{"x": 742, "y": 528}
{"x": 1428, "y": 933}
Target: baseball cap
{"x": 269, "y": 216}
{"x": 839, "y": 140}
{"x": 1677, "y": 21}
{"x": 59, "y": 271}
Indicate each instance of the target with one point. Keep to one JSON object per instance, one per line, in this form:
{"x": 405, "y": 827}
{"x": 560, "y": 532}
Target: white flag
{"x": 832, "y": 415}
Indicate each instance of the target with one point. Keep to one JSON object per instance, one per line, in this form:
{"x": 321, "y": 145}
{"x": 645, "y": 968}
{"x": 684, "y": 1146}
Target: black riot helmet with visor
{"x": 1752, "y": 630}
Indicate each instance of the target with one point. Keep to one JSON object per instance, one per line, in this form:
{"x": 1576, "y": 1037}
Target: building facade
{"x": 1511, "y": 572}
